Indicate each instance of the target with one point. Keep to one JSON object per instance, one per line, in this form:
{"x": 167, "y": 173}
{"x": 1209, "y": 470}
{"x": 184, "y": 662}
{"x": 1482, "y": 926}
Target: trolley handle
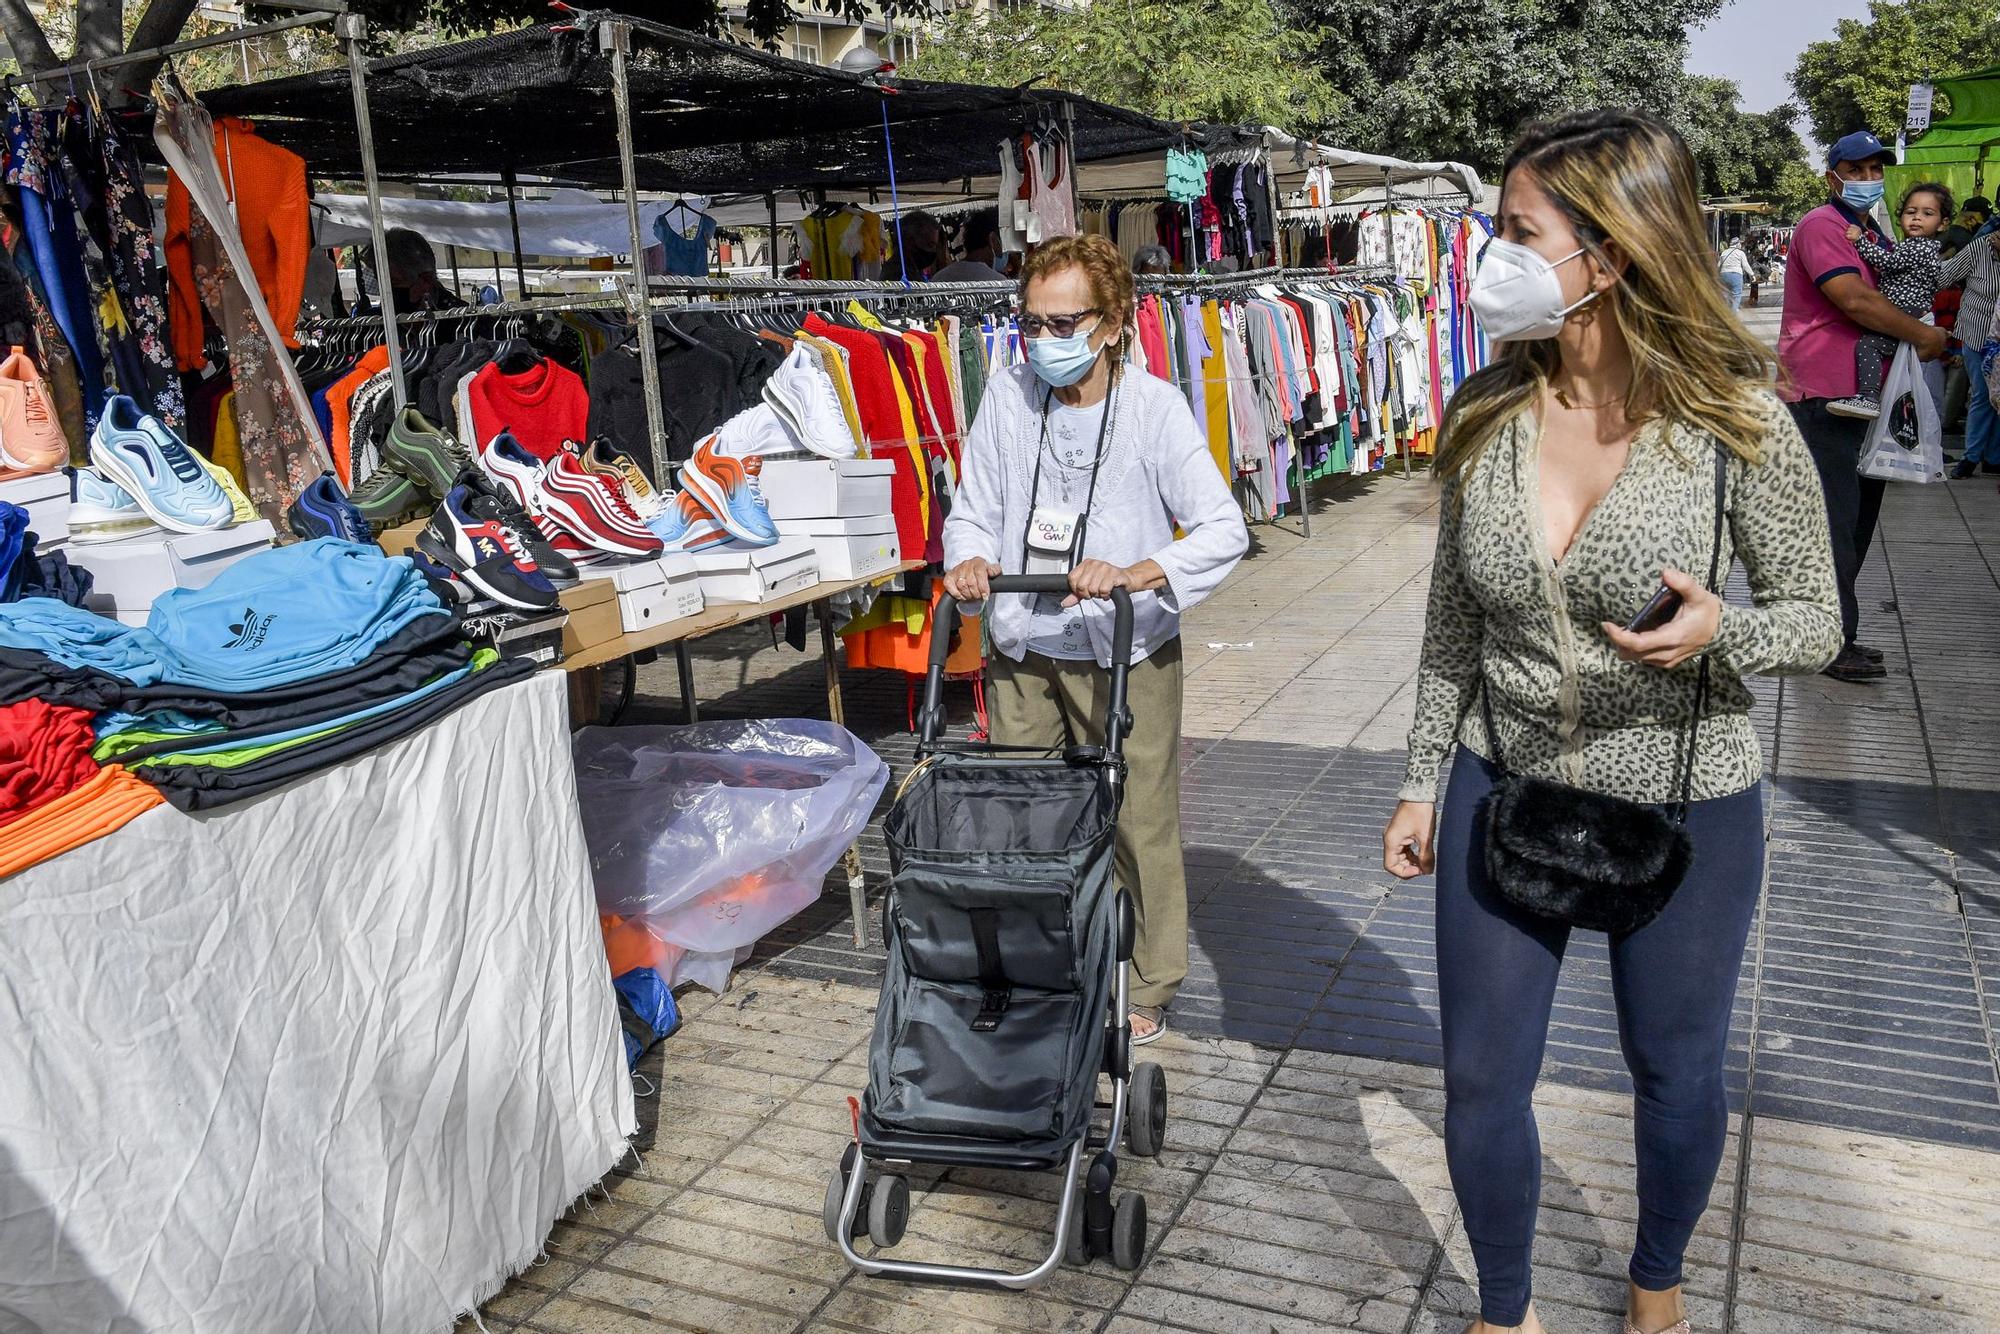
{"x": 930, "y": 720}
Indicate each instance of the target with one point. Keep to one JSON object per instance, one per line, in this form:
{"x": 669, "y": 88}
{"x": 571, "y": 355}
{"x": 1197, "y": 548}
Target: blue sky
{"x": 1756, "y": 42}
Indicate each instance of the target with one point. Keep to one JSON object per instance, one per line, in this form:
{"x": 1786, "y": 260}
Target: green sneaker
{"x": 388, "y": 498}
{"x": 425, "y": 453}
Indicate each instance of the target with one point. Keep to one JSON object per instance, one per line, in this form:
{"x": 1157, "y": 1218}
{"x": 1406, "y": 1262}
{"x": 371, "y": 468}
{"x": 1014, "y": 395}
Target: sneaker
{"x": 592, "y": 509}
{"x": 1866, "y": 408}
{"x": 103, "y": 511}
{"x": 451, "y": 590}
{"x": 31, "y": 438}
{"x": 425, "y": 453}
{"x": 608, "y": 460}
{"x": 492, "y": 502}
{"x": 511, "y": 465}
{"x": 323, "y": 510}
{"x": 728, "y": 488}
{"x": 158, "y": 470}
{"x": 388, "y": 499}
{"x": 580, "y": 555}
{"x": 239, "y": 503}
{"x": 1966, "y": 468}
{"x": 685, "y": 524}
{"x": 481, "y": 552}
{"x": 1853, "y": 666}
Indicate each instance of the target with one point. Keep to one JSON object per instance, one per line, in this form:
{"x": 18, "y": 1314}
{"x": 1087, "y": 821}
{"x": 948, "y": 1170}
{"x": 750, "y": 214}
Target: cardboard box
{"x": 396, "y": 541}
{"x": 133, "y": 572}
{"x": 826, "y": 488}
{"x": 667, "y": 589}
{"x": 537, "y": 636}
{"x": 849, "y": 548}
{"x": 45, "y": 495}
{"x": 734, "y": 572}
{"x": 593, "y": 615}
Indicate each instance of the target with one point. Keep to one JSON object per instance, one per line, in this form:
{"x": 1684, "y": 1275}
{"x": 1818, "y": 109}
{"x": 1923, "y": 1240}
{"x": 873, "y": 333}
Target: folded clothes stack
{"x": 292, "y": 660}
{"x": 53, "y": 794}
{"x": 24, "y": 574}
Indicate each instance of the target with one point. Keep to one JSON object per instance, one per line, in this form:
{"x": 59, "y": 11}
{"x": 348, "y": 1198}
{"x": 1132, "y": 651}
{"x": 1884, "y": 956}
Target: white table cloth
{"x": 333, "y": 1059}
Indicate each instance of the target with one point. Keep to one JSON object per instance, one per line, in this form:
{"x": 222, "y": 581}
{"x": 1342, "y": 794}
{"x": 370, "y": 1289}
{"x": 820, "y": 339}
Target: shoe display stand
{"x": 585, "y": 668}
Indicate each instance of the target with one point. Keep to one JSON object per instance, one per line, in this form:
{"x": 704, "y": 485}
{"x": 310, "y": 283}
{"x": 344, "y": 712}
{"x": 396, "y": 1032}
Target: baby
{"x": 1909, "y": 276}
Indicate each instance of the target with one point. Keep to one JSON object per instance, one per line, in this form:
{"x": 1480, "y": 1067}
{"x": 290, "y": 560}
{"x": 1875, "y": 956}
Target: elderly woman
{"x": 1073, "y": 466}
{"x": 1152, "y": 259}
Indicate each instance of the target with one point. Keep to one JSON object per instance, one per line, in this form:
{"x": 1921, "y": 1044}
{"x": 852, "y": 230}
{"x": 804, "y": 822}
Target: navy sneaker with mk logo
{"x": 485, "y": 554}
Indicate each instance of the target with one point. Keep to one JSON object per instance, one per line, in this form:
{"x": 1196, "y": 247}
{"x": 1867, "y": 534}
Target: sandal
{"x": 1678, "y": 1327}
{"x": 1156, "y": 1015}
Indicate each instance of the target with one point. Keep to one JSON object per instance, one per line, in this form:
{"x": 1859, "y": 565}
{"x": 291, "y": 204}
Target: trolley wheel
{"x": 889, "y": 1211}
{"x": 1128, "y": 927}
{"x": 1128, "y": 1231}
{"x": 1076, "y": 1246}
{"x": 1146, "y": 1110}
{"x": 836, "y": 1193}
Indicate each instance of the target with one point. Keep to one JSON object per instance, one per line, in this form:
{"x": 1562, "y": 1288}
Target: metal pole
{"x": 772, "y": 201}
{"x": 617, "y": 39}
{"x": 452, "y": 251}
{"x": 351, "y": 29}
{"x": 514, "y": 222}
{"x": 1395, "y": 267}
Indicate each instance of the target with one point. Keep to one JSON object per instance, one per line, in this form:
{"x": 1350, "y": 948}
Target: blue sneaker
{"x": 484, "y": 553}
{"x": 323, "y": 510}
{"x": 158, "y": 470}
{"x": 103, "y": 511}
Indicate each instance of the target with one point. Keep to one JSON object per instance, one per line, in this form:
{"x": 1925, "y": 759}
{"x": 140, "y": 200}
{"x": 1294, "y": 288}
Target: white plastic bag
{"x": 1905, "y": 443}
{"x": 710, "y": 836}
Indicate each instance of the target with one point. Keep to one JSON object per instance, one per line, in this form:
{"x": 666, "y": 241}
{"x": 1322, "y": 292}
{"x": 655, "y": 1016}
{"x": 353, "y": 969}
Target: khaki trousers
{"x": 1049, "y": 702}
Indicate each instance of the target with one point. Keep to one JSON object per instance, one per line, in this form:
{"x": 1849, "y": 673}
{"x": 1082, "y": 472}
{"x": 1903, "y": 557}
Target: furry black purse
{"x": 1599, "y": 862}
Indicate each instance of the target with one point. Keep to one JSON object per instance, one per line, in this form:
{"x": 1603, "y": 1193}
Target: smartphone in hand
{"x": 1664, "y": 606}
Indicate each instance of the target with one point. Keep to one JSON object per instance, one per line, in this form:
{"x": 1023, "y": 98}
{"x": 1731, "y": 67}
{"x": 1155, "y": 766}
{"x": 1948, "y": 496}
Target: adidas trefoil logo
{"x": 251, "y": 631}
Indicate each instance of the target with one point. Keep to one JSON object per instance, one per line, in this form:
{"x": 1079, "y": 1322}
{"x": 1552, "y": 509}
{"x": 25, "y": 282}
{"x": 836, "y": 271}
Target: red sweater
{"x": 875, "y": 398}
{"x": 543, "y": 406}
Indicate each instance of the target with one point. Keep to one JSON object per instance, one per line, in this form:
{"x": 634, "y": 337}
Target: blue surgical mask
{"x": 1862, "y": 196}
{"x": 1062, "y": 361}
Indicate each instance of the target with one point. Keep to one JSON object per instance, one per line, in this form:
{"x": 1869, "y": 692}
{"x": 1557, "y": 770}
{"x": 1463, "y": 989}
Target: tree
{"x": 1860, "y": 77}
{"x": 1739, "y": 152}
{"x": 1459, "y": 79}
{"x": 1223, "y": 60}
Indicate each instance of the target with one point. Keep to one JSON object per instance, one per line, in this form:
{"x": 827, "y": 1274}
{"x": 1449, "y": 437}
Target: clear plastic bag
{"x": 1905, "y": 443}
{"x": 707, "y": 837}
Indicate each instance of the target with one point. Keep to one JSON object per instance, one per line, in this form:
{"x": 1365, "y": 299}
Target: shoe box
{"x": 738, "y": 572}
{"x": 396, "y": 541}
{"x": 128, "y": 574}
{"x": 592, "y": 605}
{"x": 536, "y": 636}
{"x": 45, "y": 495}
{"x": 654, "y": 592}
{"x": 849, "y": 548}
{"x": 826, "y": 488}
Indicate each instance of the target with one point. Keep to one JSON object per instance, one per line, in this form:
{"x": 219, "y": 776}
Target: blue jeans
{"x": 1732, "y": 283}
{"x": 1674, "y": 981}
{"x": 1982, "y": 424}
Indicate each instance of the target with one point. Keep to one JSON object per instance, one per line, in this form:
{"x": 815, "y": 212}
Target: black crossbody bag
{"x": 1594, "y": 861}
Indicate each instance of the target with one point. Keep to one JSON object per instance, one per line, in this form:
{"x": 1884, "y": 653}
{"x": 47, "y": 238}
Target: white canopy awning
{"x": 569, "y": 224}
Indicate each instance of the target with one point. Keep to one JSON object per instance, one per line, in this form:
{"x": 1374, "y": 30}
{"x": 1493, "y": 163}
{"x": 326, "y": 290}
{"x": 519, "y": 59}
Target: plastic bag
{"x": 704, "y": 838}
{"x": 1905, "y": 443}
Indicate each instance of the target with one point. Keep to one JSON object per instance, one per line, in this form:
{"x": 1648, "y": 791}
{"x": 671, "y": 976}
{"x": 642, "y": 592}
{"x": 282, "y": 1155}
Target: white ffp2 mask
{"x": 1517, "y": 295}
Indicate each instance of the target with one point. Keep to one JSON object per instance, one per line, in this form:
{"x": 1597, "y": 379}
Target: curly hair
{"x": 1110, "y": 280}
{"x": 1937, "y": 188}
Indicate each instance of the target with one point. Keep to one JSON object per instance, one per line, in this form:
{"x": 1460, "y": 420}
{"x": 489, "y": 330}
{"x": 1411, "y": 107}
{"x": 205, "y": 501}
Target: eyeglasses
{"x": 1062, "y": 326}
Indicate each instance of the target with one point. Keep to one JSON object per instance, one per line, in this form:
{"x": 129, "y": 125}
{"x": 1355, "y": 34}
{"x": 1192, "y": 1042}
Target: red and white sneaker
{"x": 593, "y": 509}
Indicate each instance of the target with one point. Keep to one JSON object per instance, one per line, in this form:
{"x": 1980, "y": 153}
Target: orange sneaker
{"x": 30, "y": 437}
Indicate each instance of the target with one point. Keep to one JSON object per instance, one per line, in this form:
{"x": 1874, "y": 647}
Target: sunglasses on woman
{"x": 1062, "y": 326}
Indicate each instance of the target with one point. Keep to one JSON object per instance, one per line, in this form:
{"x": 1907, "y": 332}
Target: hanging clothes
{"x": 48, "y": 214}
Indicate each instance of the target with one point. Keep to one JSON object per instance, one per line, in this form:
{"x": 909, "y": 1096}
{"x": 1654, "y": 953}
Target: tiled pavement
{"x": 1304, "y": 1184}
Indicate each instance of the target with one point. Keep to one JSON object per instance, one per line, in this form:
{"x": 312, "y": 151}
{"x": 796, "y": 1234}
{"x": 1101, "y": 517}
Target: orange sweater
{"x": 267, "y": 185}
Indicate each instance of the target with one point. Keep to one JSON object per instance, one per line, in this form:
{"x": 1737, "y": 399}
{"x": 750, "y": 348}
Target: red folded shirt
{"x": 44, "y": 753}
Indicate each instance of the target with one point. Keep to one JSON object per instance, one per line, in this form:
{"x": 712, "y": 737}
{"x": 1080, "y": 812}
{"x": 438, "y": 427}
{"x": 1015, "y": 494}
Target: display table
{"x": 333, "y": 1059}
{"x": 584, "y": 684}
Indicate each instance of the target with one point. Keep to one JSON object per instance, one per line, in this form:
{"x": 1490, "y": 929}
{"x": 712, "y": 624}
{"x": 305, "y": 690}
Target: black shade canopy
{"x": 708, "y": 116}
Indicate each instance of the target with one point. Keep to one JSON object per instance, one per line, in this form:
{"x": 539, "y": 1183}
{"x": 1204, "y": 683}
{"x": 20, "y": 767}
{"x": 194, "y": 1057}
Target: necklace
{"x": 1562, "y": 397}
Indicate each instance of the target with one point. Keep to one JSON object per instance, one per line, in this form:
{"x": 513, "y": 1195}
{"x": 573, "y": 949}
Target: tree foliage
{"x": 1860, "y": 77}
{"x": 1223, "y": 60}
{"x": 1756, "y": 154}
{"x": 1459, "y": 79}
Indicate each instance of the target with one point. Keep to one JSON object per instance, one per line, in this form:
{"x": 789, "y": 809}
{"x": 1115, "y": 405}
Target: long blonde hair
{"x": 1625, "y": 178}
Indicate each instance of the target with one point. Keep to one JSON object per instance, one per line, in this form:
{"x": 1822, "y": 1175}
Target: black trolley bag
{"x": 1005, "y": 997}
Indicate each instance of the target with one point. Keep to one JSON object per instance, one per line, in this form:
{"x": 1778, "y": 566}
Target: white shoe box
{"x": 45, "y": 495}
{"x": 653, "y": 592}
{"x": 734, "y": 572}
{"x": 826, "y": 488}
{"x": 129, "y": 574}
{"x": 849, "y": 548}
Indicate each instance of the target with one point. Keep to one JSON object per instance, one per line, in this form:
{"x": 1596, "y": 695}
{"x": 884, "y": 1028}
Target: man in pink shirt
{"x": 1830, "y": 302}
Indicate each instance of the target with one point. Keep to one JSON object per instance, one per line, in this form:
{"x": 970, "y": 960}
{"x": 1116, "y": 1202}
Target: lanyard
{"x": 1096, "y": 465}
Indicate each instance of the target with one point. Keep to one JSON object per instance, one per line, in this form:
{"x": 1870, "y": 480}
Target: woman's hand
{"x": 1686, "y": 635}
{"x": 967, "y": 580}
{"x": 1854, "y": 233}
{"x": 1095, "y": 579}
{"x": 1407, "y": 847}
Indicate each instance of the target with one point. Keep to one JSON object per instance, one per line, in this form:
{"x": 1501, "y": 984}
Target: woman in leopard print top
{"x": 1578, "y": 475}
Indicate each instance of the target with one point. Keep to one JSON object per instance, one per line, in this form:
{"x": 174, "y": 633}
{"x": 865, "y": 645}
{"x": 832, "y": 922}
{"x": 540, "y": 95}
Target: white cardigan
{"x": 1156, "y": 474}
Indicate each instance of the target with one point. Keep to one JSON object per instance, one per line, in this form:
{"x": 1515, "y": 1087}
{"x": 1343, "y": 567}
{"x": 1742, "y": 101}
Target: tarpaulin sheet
{"x": 571, "y": 224}
{"x": 333, "y": 1059}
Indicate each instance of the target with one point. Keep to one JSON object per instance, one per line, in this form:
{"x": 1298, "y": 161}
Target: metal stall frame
{"x": 351, "y": 30}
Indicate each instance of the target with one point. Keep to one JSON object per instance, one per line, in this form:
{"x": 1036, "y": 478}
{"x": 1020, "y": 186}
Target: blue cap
{"x": 1860, "y": 146}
